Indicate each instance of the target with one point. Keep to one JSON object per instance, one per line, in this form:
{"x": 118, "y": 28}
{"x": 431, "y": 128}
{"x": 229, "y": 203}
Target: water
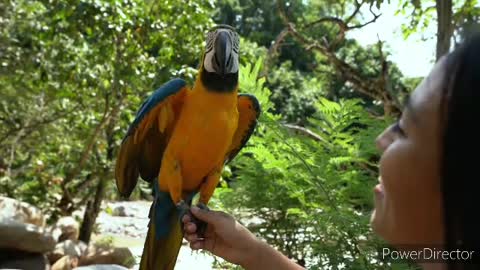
{"x": 130, "y": 231}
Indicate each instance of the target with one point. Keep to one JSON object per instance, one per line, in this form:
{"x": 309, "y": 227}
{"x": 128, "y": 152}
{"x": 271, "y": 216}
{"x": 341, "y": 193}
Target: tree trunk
{"x": 91, "y": 211}
{"x": 444, "y": 27}
{"x": 93, "y": 208}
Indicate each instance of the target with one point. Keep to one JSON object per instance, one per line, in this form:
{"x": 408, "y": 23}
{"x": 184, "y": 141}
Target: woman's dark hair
{"x": 461, "y": 152}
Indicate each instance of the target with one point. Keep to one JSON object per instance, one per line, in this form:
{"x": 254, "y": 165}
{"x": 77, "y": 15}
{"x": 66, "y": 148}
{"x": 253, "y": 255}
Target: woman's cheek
{"x": 397, "y": 170}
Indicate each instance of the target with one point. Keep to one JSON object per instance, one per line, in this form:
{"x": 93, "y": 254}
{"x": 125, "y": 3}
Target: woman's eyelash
{"x": 398, "y": 129}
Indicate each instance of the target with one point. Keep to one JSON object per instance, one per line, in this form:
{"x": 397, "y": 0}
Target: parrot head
{"x": 220, "y": 61}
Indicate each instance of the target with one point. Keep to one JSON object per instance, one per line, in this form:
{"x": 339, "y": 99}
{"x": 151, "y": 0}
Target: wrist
{"x": 253, "y": 254}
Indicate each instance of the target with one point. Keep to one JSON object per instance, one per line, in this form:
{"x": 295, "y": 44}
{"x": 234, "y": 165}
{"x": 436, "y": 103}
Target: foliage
{"x": 466, "y": 14}
{"x": 260, "y": 22}
{"x": 295, "y": 92}
{"x": 311, "y": 199}
{"x": 73, "y": 74}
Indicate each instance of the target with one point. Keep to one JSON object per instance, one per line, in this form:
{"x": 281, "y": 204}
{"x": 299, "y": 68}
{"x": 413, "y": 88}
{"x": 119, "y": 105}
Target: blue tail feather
{"x": 163, "y": 208}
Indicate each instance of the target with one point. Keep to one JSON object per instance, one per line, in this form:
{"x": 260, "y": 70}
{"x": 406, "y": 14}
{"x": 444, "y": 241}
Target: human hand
{"x": 224, "y": 237}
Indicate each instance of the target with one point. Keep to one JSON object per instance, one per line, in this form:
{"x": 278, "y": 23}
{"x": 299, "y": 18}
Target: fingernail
{"x": 195, "y": 209}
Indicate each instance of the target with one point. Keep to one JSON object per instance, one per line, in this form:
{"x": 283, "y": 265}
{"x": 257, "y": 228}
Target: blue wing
{"x": 248, "y": 113}
{"x": 142, "y": 147}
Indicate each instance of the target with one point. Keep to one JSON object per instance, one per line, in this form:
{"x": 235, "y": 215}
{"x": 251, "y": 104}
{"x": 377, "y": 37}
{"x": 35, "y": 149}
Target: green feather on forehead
{"x": 212, "y": 32}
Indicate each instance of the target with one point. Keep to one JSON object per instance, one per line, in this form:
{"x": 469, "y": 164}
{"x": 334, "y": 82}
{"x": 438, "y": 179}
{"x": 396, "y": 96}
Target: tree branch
{"x": 273, "y": 51}
{"x": 33, "y": 126}
{"x": 336, "y": 20}
{"x": 374, "y": 88}
{"x": 108, "y": 115}
{"x": 374, "y": 19}
{"x": 343, "y": 69}
{"x": 343, "y": 24}
{"x": 358, "y": 5}
{"x": 306, "y": 132}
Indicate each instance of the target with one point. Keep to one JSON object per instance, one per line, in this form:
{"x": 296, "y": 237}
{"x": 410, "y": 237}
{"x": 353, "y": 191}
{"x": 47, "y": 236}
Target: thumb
{"x": 208, "y": 216}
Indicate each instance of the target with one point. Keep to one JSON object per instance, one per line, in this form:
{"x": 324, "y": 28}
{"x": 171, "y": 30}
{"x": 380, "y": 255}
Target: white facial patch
{"x": 234, "y": 64}
{"x": 207, "y": 62}
{"x": 209, "y": 59}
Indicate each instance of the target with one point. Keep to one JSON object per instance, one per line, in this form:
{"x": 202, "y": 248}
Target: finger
{"x": 197, "y": 245}
{"x": 186, "y": 219}
{"x": 192, "y": 237}
{"x": 209, "y": 243}
{"x": 202, "y": 243}
{"x": 190, "y": 227}
{"x": 211, "y": 217}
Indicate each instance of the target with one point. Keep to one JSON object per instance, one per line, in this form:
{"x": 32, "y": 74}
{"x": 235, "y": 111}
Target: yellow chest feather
{"x": 203, "y": 133}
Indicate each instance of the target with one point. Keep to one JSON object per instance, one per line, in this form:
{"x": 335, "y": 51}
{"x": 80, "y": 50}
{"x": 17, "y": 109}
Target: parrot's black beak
{"x": 222, "y": 61}
{"x": 220, "y": 65}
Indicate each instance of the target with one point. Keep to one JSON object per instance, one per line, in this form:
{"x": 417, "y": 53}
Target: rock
{"x": 66, "y": 228}
{"x": 135, "y": 226}
{"x": 68, "y": 247}
{"x": 21, "y": 212}
{"x": 16, "y": 259}
{"x": 101, "y": 267}
{"x": 65, "y": 263}
{"x": 108, "y": 255}
{"x": 25, "y": 237}
{"x": 119, "y": 211}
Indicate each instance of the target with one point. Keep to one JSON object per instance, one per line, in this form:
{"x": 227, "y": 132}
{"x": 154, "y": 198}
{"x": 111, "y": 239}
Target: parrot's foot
{"x": 183, "y": 209}
{"x": 201, "y": 226}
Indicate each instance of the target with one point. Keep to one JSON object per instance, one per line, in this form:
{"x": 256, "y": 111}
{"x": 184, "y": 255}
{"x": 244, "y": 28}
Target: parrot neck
{"x": 221, "y": 99}
{"x": 217, "y": 83}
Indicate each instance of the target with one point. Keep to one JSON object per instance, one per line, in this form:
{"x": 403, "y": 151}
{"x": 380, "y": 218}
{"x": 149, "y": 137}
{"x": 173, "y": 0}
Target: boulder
{"x": 66, "y": 228}
{"x": 108, "y": 255}
{"x": 17, "y": 259}
{"x": 65, "y": 263}
{"x": 25, "y": 237}
{"x": 67, "y": 248}
{"x": 21, "y": 212}
{"x": 119, "y": 211}
{"x": 101, "y": 267}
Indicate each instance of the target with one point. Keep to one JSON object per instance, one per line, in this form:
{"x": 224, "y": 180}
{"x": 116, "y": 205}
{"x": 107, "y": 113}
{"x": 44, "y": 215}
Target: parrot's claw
{"x": 183, "y": 209}
{"x": 202, "y": 206}
{"x": 201, "y": 226}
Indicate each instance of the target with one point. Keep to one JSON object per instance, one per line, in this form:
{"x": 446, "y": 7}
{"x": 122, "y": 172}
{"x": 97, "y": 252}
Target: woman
{"x": 428, "y": 192}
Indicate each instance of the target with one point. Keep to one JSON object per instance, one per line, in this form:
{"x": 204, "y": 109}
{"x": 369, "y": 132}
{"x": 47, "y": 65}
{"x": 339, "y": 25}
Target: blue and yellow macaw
{"x": 181, "y": 139}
